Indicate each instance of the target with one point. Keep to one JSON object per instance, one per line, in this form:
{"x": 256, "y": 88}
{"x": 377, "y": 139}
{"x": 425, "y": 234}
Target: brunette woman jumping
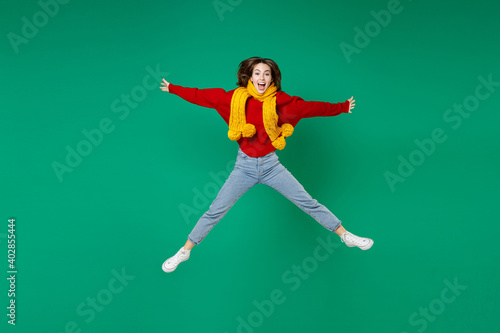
{"x": 260, "y": 116}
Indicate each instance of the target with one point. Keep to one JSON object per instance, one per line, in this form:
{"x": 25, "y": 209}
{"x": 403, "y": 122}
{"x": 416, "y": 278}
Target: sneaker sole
{"x": 364, "y": 248}
{"x": 170, "y": 270}
{"x": 167, "y": 270}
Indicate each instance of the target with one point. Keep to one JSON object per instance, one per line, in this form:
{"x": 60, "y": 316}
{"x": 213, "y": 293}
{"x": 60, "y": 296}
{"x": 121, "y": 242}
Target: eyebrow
{"x": 267, "y": 70}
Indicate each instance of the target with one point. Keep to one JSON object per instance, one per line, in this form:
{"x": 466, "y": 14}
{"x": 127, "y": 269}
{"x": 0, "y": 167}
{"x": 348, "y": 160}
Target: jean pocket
{"x": 242, "y": 154}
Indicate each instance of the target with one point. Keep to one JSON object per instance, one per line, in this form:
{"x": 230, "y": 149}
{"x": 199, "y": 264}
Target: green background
{"x": 119, "y": 209}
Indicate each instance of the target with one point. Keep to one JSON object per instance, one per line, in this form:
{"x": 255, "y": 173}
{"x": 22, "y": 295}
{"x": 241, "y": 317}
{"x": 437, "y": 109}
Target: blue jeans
{"x": 249, "y": 171}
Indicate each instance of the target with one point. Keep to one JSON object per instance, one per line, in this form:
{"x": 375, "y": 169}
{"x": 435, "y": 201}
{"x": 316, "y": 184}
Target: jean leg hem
{"x": 191, "y": 240}
{"x": 336, "y": 226}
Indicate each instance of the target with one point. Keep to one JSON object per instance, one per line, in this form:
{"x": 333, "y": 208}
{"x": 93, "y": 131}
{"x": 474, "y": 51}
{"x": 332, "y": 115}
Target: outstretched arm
{"x": 210, "y": 98}
{"x": 294, "y": 108}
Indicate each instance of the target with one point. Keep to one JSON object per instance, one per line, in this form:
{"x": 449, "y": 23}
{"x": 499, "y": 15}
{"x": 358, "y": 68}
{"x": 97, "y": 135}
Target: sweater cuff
{"x": 172, "y": 88}
{"x": 346, "y": 110}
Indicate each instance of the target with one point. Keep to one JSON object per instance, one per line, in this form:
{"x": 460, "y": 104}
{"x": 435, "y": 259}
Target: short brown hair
{"x": 245, "y": 71}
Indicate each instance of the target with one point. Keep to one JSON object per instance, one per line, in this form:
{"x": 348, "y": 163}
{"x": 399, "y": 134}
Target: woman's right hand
{"x": 351, "y": 103}
{"x": 165, "y": 85}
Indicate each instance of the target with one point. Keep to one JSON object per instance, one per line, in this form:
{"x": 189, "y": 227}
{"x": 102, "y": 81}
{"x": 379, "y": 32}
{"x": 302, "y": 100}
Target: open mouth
{"x": 261, "y": 86}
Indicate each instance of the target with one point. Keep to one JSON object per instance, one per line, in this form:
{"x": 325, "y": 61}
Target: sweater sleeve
{"x": 297, "y": 108}
{"x": 209, "y": 98}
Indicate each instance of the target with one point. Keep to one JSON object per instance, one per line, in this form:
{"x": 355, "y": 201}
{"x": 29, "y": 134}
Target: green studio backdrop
{"x": 105, "y": 174}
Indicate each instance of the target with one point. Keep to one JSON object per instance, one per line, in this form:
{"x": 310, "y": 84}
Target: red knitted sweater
{"x": 290, "y": 110}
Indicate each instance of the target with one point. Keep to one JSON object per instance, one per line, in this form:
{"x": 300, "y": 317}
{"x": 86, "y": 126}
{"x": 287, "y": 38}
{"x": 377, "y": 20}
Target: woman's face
{"x": 261, "y": 77}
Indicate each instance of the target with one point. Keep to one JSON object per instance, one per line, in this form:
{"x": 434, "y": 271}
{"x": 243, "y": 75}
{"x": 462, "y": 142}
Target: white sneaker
{"x": 171, "y": 263}
{"x": 353, "y": 240}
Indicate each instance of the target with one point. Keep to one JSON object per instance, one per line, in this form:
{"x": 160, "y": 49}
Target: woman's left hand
{"x": 351, "y": 104}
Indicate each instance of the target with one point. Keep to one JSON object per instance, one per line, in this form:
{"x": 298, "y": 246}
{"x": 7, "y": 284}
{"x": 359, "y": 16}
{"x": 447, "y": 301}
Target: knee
{"x": 312, "y": 204}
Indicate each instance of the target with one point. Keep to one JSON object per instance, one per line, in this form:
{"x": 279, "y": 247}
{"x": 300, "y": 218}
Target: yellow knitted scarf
{"x": 237, "y": 120}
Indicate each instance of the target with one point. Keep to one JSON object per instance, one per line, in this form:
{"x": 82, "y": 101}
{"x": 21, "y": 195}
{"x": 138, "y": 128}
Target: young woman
{"x": 260, "y": 116}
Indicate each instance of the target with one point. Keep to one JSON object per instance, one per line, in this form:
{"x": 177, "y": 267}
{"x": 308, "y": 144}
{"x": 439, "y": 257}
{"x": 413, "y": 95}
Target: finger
{"x": 164, "y": 80}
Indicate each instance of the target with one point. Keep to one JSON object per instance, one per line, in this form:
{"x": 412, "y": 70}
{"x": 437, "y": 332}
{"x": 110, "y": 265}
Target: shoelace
{"x": 175, "y": 260}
